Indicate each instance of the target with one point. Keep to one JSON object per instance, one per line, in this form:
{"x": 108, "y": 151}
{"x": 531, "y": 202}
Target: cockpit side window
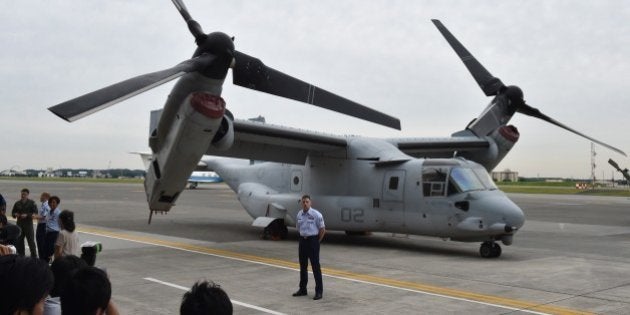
{"x": 434, "y": 181}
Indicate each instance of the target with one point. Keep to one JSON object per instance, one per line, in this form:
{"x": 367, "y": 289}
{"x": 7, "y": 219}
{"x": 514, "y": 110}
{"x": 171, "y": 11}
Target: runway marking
{"x": 258, "y": 308}
{"x": 455, "y": 294}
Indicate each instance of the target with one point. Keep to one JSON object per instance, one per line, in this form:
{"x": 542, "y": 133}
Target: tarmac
{"x": 571, "y": 257}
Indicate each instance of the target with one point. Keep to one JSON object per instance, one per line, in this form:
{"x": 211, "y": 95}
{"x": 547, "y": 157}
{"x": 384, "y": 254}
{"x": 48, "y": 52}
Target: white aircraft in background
{"x": 198, "y": 177}
{"x": 425, "y": 186}
{"x": 201, "y": 176}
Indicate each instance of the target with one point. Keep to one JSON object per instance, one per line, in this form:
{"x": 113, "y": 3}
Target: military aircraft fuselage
{"x": 449, "y": 198}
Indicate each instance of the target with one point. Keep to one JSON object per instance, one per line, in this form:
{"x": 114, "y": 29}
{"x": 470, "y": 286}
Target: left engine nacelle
{"x": 197, "y": 121}
{"x": 224, "y": 138}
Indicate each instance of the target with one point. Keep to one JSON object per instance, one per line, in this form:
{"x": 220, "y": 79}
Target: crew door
{"x": 392, "y": 205}
{"x": 393, "y": 186}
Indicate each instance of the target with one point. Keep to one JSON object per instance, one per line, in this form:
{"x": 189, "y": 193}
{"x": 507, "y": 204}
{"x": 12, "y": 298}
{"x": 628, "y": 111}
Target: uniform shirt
{"x": 28, "y": 207}
{"x": 52, "y": 221}
{"x": 69, "y": 243}
{"x": 44, "y": 211}
{"x": 309, "y": 223}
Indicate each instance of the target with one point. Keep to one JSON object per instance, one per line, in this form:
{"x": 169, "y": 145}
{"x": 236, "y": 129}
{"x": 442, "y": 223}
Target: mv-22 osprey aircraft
{"x": 435, "y": 187}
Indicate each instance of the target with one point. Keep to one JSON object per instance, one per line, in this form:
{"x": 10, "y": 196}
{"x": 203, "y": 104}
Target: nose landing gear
{"x": 490, "y": 250}
{"x": 276, "y": 231}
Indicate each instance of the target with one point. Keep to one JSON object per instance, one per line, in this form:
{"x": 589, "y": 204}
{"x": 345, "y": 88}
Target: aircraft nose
{"x": 512, "y": 215}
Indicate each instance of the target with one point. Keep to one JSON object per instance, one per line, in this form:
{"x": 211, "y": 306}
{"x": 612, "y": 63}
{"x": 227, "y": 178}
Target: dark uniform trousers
{"x": 40, "y": 236}
{"x": 29, "y": 233}
{"x": 309, "y": 249}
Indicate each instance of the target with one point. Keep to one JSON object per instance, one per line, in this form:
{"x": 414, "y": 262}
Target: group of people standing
{"x": 54, "y": 235}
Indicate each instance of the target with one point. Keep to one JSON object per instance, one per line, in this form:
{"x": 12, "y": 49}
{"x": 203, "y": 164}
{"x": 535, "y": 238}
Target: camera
{"x": 9, "y": 234}
{"x": 89, "y": 251}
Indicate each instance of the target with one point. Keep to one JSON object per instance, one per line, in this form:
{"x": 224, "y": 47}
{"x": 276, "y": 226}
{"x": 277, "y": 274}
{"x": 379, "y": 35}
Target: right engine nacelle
{"x": 501, "y": 142}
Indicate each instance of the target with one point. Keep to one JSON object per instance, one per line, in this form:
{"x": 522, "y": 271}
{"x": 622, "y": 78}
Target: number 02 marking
{"x": 352, "y": 215}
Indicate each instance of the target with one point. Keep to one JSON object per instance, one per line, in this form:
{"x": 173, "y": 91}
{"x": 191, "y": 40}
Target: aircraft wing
{"x": 265, "y": 142}
{"x": 439, "y": 147}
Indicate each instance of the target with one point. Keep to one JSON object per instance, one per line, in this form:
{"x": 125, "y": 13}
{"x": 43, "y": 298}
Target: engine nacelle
{"x": 501, "y": 142}
{"x": 195, "y": 124}
{"x": 224, "y": 138}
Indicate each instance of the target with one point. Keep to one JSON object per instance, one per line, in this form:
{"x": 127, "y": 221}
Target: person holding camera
{"x": 9, "y": 234}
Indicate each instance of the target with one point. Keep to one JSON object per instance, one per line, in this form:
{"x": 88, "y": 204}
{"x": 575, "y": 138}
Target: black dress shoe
{"x": 299, "y": 293}
{"x": 318, "y": 296}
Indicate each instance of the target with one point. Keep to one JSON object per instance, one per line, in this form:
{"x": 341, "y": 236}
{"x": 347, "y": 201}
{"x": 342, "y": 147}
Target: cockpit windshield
{"x": 446, "y": 180}
{"x": 465, "y": 179}
{"x": 485, "y": 178}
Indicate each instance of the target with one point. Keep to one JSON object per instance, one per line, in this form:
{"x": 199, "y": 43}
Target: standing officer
{"x": 310, "y": 225}
{"x": 40, "y": 233}
{"x": 23, "y": 211}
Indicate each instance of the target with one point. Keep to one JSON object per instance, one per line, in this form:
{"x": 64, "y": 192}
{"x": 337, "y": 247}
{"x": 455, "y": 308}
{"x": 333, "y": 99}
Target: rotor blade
{"x": 181, "y": 7}
{"x": 193, "y": 26}
{"x": 251, "y": 73}
{"x": 534, "y": 112}
{"x": 614, "y": 164}
{"x": 92, "y": 102}
{"x": 489, "y": 84}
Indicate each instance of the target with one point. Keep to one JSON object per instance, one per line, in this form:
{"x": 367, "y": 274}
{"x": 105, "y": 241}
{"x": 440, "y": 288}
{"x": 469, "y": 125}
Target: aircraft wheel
{"x": 276, "y": 231}
{"x": 490, "y": 250}
{"x": 496, "y": 250}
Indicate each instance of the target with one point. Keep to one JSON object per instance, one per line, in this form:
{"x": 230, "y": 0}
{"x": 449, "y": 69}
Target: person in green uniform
{"x": 23, "y": 211}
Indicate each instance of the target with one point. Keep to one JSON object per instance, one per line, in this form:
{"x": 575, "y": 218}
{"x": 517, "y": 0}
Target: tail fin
{"x": 147, "y": 158}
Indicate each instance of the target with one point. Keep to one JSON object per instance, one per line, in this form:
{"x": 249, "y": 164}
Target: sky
{"x": 569, "y": 57}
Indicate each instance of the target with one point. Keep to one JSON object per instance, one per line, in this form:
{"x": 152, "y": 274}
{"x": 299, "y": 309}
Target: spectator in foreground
{"x": 24, "y": 284}
{"x": 88, "y": 292}
{"x": 205, "y": 298}
{"x": 3, "y": 205}
{"x": 62, "y": 269}
{"x": 9, "y": 233}
{"x": 67, "y": 242}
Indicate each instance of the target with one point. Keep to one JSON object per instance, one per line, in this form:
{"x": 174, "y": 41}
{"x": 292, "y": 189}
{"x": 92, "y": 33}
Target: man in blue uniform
{"x": 310, "y": 225}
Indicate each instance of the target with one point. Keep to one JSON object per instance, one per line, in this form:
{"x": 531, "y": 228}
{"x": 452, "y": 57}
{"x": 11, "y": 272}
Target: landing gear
{"x": 275, "y": 231}
{"x": 490, "y": 250}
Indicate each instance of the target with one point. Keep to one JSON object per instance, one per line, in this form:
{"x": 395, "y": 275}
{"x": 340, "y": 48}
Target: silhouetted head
{"x": 24, "y": 284}
{"x": 205, "y": 298}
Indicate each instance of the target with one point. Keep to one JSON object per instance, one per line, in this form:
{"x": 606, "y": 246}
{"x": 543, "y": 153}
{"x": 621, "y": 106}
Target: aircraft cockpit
{"x": 448, "y": 177}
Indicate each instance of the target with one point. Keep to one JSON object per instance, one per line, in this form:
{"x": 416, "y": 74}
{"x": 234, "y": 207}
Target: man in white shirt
{"x": 310, "y": 225}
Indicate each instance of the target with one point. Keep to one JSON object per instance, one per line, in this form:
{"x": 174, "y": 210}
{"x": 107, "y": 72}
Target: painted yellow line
{"x": 407, "y": 285}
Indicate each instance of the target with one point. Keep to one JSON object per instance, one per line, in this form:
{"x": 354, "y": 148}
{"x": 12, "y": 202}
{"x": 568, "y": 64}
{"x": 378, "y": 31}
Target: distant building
{"x": 13, "y": 172}
{"x": 506, "y": 176}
